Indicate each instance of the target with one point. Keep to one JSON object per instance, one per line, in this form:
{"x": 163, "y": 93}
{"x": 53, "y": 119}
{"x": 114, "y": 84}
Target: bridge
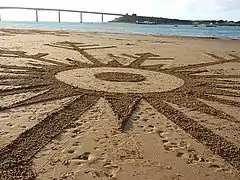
{"x": 64, "y": 10}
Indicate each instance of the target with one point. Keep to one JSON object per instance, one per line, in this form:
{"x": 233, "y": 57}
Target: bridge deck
{"x": 64, "y": 10}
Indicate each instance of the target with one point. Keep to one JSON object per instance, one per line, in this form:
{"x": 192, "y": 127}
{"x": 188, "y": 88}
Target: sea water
{"x": 180, "y": 30}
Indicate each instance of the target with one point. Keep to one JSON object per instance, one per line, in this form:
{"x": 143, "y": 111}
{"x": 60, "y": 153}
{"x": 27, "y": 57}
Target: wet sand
{"x": 80, "y": 105}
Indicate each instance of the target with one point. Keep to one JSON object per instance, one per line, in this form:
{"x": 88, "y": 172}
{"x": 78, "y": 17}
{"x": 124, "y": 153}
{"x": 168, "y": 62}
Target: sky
{"x": 180, "y": 9}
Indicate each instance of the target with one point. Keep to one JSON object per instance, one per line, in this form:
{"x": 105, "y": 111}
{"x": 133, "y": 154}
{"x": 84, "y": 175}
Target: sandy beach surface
{"x": 86, "y": 106}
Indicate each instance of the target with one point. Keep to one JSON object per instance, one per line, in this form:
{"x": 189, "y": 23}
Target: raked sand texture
{"x": 84, "y": 106}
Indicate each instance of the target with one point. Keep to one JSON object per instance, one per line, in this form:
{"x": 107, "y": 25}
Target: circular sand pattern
{"x": 154, "y": 81}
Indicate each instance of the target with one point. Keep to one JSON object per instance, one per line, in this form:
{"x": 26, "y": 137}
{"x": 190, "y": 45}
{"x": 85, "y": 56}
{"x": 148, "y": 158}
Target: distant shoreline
{"x": 116, "y": 28}
{"x": 159, "y": 20}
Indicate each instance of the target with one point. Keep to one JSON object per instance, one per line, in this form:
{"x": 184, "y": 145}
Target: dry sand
{"x": 77, "y": 105}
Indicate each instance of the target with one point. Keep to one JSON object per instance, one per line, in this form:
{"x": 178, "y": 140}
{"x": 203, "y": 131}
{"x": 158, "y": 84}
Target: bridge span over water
{"x": 63, "y": 10}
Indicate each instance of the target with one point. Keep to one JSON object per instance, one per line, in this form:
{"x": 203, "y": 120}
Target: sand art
{"x": 124, "y": 87}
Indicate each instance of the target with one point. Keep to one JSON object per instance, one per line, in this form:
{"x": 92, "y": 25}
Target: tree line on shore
{"x": 159, "y": 20}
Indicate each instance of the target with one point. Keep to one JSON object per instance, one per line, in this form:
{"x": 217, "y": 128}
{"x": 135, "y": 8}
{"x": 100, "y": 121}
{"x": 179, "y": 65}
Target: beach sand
{"x": 81, "y": 105}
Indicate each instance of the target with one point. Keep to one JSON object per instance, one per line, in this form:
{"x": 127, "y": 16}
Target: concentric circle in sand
{"x": 86, "y": 78}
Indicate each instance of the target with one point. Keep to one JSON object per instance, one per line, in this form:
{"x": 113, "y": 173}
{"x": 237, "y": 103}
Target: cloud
{"x": 197, "y": 9}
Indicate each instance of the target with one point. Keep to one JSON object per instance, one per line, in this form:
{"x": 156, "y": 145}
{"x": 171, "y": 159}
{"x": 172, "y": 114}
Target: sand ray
{"x": 20, "y": 72}
{"x": 156, "y": 67}
{"x": 77, "y": 47}
{"x": 8, "y": 71}
{"x": 194, "y": 72}
{"x": 114, "y": 56}
{"x": 227, "y": 87}
{"x": 235, "y": 56}
{"x": 149, "y": 54}
{"x": 59, "y": 46}
{"x": 7, "y": 82}
{"x": 231, "y": 83}
{"x": 9, "y": 56}
{"x": 115, "y": 62}
{"x": 20, "y": 68}
{"x": 220, "y": 61}
{"x": 138, "y": 61}
{"x": 88, "y": 56}
{"x": 220, "y": 81}
{"x": 22, "y": 82}
{"x": 193, "y": 102}
{"x": 50, "y": 67}
{"x": 91, "y": 58}
{"x": 123, "y": 106}
{"x": 22, "y": 149}
{"x": 82, "y": 50}
{"x": 78, "y": 63}
{"x": 129, "y": 56}
{"x": 68, "y": 42}
{"x": 21, "y": 54}
{"x": 191, "y": 66}
{"x": 220, "y": 100}
{"x": 87, "y": 45}
{"x": 204, "y": 135}
{"x": 221, "y": 91}
{"x": 2, "y": 52}
{"x": 100, "y": 47}
{"x": 216, "y": 57}
{"x": 204, "y": 108}
{"x": 56, "y": 63}
{"x": 142, "y": 57}
{"x": 49, "y": 95}
{"x": 38, "y": 56}
{"x": 23, "y": 89}
{"x": 4, "y": 77}
{"x": 146, "y": 56}
{"x": 214, "y": 76}
{"x": 160, "y": 58}
{"x": 41, "y": 67}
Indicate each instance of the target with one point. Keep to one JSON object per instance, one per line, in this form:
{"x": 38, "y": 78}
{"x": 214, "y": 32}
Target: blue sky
{"x": 181, "y": 9}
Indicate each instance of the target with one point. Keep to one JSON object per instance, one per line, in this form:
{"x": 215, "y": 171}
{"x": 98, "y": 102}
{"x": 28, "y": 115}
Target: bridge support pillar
{"x": 102, "y": 18}
{"x": 59, "y": 16}
{"x": 81, "y": 17}
{"x": 36, "y": 15}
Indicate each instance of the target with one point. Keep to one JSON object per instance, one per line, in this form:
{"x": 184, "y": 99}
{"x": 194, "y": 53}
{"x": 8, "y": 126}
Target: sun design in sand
{"x": 123, "y": 86}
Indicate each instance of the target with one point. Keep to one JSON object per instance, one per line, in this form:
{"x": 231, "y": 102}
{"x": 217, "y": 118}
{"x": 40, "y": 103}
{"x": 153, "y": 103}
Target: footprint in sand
{"x": 108, "y": 171}
{"x": 195, "y": 158}
{"x": 76, "y": 143}
{"x": 179, "y": 146}
{"x": 150, "y": 128}
{"x": 84, "y": 156}
{"x": 182, "y": 149}
{"x": 71, "y": 151}
{"x": 24, "y": 127}
{"x": 145, "y": 119}
{"x": 136, "y": 118}
{"x": 4, "y": 116}
{"x": 77, "y": 131}
{"x": 111, "y": 170}
{"x": 9, "y": 124}
{"x": 215, "y": 167}
{"x": 3, "y": 133}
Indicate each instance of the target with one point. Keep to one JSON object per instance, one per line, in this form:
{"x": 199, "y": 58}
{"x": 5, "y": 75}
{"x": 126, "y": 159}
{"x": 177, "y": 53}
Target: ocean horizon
{"x": 179, "y": 30}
